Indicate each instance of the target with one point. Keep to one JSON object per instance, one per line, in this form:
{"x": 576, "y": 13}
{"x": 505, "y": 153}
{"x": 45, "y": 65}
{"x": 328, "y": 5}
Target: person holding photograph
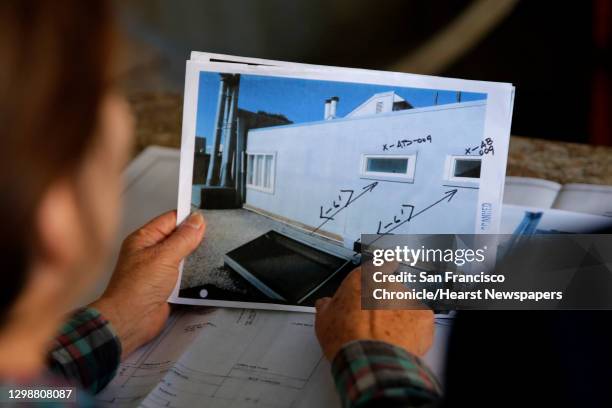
{"x": 66, "y": 138}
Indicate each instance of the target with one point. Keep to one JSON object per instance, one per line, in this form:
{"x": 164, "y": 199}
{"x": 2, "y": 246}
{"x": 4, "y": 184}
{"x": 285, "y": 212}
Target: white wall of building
{"x": 315, "y": 161}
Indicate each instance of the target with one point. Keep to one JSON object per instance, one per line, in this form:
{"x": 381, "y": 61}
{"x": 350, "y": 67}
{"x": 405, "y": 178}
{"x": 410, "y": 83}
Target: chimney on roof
{"x": 333, "y": 106}
{"x": 327, "y": 109}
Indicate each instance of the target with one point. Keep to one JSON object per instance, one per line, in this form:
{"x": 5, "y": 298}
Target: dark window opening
{"x": 387, "y": 165}
{"x": 467, "y": 168}
{"x": 401, "y": 105}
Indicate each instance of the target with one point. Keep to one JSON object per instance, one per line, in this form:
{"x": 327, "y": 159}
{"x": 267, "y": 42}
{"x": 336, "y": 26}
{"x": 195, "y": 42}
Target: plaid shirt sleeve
{"x": 87, "y": 351}
{"x": 373, "y": 373}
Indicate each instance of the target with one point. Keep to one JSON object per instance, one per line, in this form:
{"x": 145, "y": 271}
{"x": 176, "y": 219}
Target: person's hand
{"x": 340, "y": 320}
{"x": 135, "y": 301}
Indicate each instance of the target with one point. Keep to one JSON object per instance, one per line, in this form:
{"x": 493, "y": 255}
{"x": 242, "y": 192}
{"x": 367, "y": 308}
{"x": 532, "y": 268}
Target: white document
{"x": 250, "y": 358}
{"x": 235, "y": 358}
{"x": 530, "y": 192}
{"x": 327, "y": 154}
{"x": 144, "y": 369}
{"x": 531, "y": 220}
{"x": 585, "y": 198}
{"x": 575, "y": 197}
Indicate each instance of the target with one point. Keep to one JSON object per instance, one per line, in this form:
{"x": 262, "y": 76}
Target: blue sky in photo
{"x": 302, "y": 100}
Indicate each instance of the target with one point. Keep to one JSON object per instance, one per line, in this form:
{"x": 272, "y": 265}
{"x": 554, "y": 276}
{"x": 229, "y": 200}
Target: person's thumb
{"x": 185, "y": 238}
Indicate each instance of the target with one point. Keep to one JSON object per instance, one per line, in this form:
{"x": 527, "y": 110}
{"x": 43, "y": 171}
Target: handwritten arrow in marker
{"x": 448, "y": 196}
{"x": 366, "y": 189}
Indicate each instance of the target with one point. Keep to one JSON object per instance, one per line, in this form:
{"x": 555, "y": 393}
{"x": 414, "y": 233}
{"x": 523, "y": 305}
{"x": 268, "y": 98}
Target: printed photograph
{"x": 289, "y": 173}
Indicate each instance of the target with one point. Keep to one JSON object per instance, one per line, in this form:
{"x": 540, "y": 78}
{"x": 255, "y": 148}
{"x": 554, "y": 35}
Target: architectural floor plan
{"x": 235, "y": 358}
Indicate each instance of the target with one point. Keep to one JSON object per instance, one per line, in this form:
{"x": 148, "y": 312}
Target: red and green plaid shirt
{"x": 85, "y": 355}
{"x": 376, "y": 374}
{"x": 367, "y": 373}
{"x": 87, "y": 351}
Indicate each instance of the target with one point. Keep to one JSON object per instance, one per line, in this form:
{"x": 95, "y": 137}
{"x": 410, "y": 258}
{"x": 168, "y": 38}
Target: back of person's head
{"x": 53, "y": 75}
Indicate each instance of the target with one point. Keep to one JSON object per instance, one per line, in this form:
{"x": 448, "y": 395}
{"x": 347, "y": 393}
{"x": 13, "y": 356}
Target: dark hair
{"x": 54, "y": 70}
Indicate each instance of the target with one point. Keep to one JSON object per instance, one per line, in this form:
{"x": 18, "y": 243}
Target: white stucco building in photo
{"x": 383, "y": 167}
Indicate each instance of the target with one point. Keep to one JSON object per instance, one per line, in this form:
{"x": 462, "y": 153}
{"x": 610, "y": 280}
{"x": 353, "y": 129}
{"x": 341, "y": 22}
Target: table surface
{"x": 159, "y": 115}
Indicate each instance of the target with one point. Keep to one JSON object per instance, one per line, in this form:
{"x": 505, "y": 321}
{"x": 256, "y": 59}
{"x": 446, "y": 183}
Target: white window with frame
{"x": 463, "y": 168}
{"x": 260, "y": 171}
{"x": 398, "y": 168}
